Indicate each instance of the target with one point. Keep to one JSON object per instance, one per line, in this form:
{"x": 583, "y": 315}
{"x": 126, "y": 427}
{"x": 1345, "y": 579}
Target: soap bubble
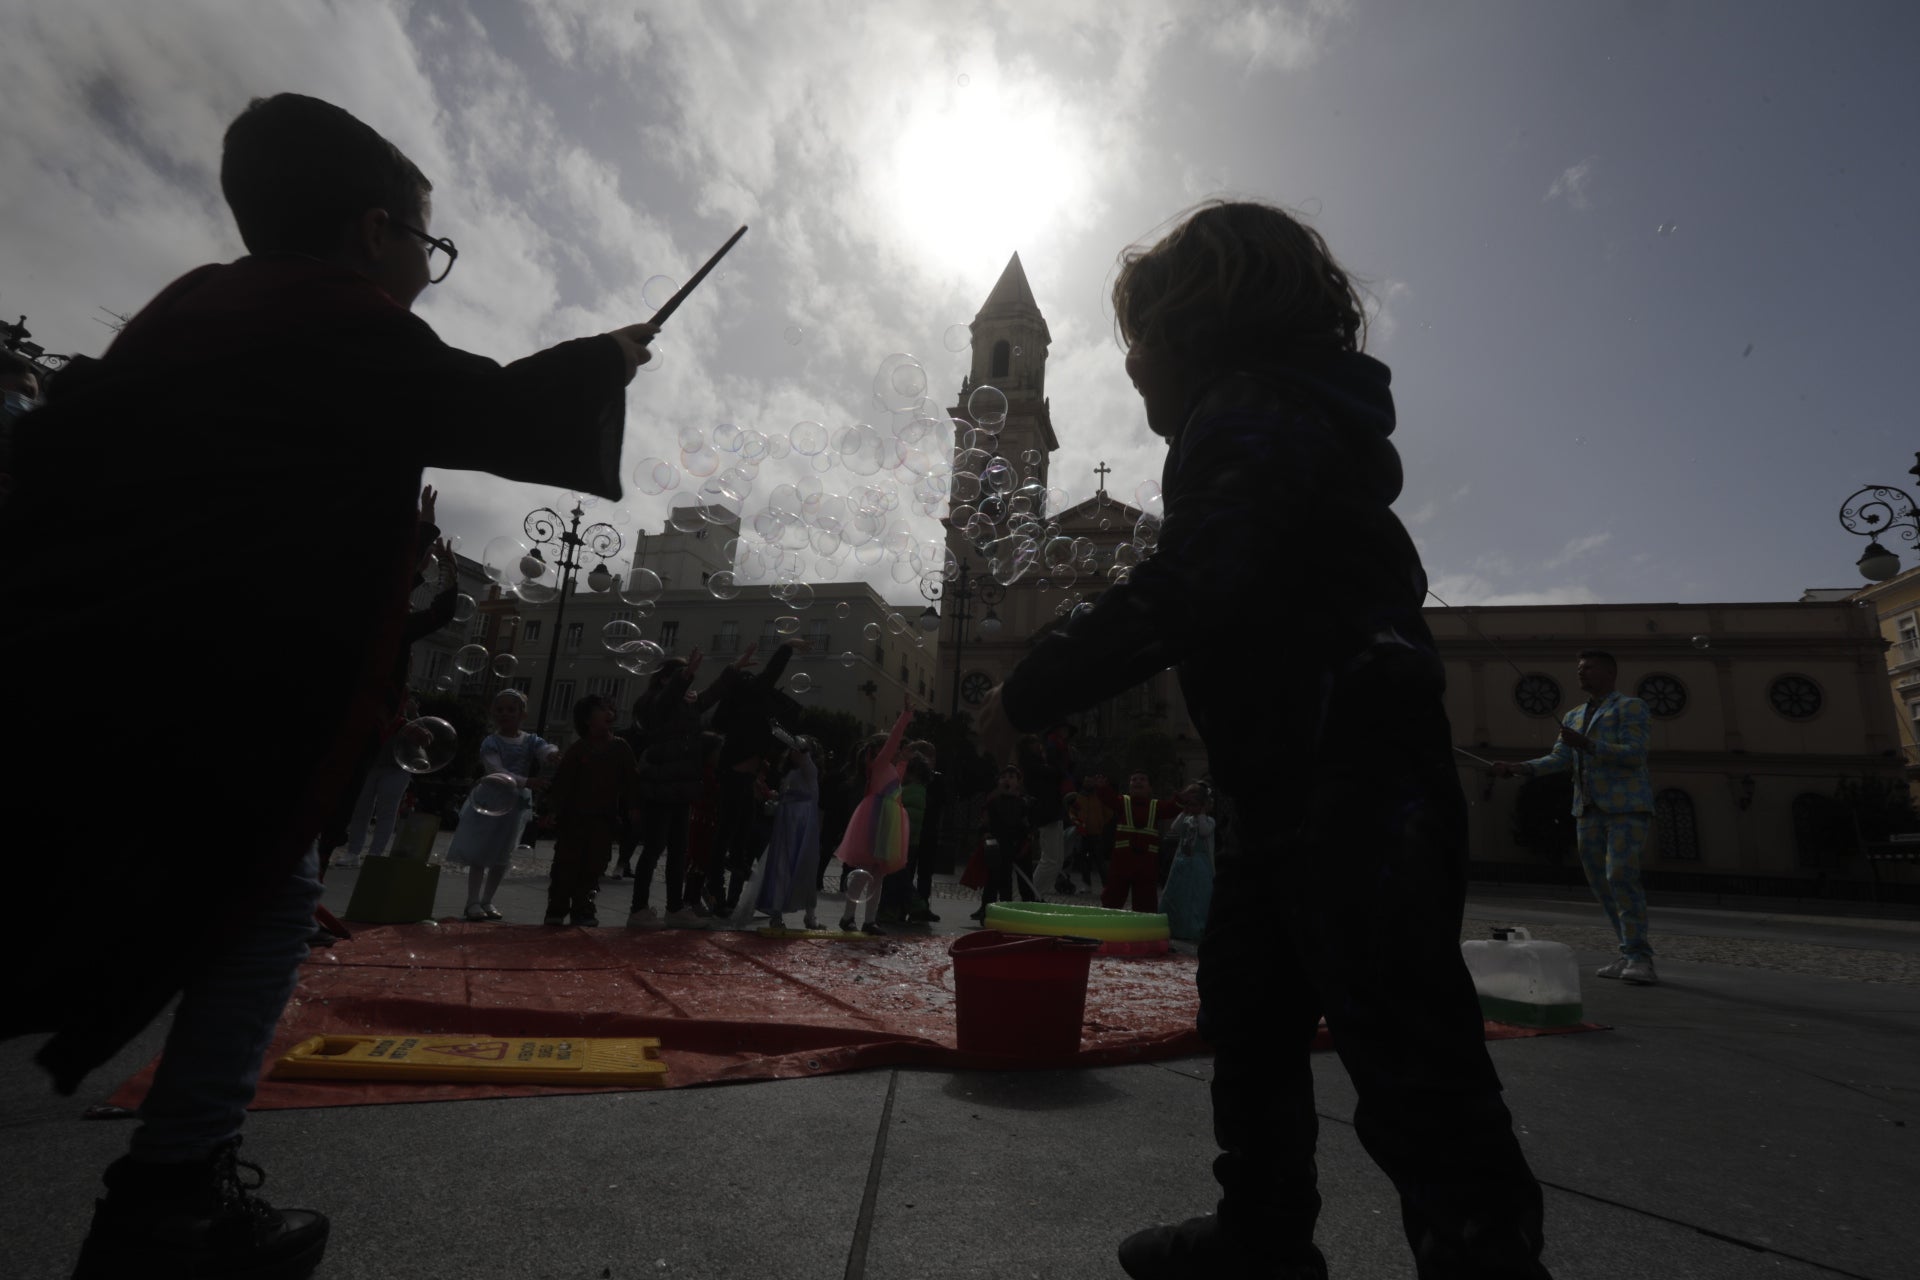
{"x": 847, "y": 658}
{"x": 443, "y": 683}
{"x": 655, "y": 476}
{"x": 871, "y": 631}
{"x": 657, "y": 290}
{"x": 463, "y": 607}
{"x": 505, "y": 664}
{"x": 1702, "y": 642}
{"x": 786, "y": 625}
{"x": 495, "y": 794}
{"x": 471, "y": 659}
{"x": 988, "y": 407}
{"x": 793, "y": 335}
{"x": 958, "y": 337}
{"x": 619, "y": 633}
{"x": 726, "y": 436}
{"x": 860, "y": 885}
{"x": 642, "y": 586}
{"x": 501, "y": 559}
{"x": 900, "y": 384}
{"x": 808, "y": 437}
{"x": 424, "y": 745}
{"x": 963, "y": 80}
{"x": 800, "y": 683}
{"x": 1148, "y": 499}
{"x": 691, "y": 437}
{"x": 721, "y": 585}
{"x": 842, "y": 609}
{"x": 701, "y": 462}
{"x": 687, "y": 519}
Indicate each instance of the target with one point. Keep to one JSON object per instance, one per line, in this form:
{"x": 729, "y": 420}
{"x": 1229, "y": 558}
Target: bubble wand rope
{"x": 673, "y": 304}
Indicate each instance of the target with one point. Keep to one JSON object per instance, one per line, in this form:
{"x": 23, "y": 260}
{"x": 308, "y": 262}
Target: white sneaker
{"x": 347, "y": 860}
{"x": 684, "y": 918}
{"x": 1640, "y": 973}
{"x": 1613, "y": 970}
{"x": 641, "y": 919}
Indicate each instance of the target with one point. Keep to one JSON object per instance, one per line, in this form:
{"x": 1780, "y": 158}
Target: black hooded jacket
{"x": 1280, "y": 569}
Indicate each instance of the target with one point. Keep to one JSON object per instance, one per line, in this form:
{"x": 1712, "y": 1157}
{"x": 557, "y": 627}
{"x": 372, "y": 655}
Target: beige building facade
{"x": 1755, "y": 706}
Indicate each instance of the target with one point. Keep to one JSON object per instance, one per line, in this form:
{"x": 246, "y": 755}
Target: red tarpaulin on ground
{"x": 726, "y": 1006}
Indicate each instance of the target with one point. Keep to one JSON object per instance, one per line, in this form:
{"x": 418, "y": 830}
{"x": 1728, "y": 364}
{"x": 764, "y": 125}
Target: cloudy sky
{"x": 1644, "y": 271}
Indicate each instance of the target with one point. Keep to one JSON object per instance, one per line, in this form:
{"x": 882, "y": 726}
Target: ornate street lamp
{"x": 962, "y": 589}
{"x": 549, "y": 529}
{"x": 1875, "y": 510}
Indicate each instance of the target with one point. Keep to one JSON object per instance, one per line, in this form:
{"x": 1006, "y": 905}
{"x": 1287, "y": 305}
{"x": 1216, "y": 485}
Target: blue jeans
{"x": 1610, "y": 849}
{"x": 223, "y": 1025}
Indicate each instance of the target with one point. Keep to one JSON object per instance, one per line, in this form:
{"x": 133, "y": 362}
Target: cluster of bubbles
{"x": 852, "y": 510}
{"x": 425, "y": 745}
{"x": 867, "y": 479}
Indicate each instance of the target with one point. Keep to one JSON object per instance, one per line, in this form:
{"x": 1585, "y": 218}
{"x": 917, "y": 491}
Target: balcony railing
{"x": 1903, "y": 654}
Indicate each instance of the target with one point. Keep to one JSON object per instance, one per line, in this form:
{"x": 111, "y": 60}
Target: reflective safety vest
{"x": 1141, "y": 839}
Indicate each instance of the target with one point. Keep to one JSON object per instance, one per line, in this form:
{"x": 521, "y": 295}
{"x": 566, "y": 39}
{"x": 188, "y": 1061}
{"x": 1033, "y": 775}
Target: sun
{"x": 979, "y": 172}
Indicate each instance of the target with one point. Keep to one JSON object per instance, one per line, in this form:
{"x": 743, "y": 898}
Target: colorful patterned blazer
{"x": 1613, "y": 777}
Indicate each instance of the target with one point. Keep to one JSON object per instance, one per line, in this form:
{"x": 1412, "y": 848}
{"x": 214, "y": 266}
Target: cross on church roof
{"x": 1103, "y": 471}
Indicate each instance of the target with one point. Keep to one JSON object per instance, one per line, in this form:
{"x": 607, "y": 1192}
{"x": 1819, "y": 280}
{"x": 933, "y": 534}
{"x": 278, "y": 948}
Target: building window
{"x": 1677, "y": 839}
{"x": 1663, "y": 694}
{"x": 1795, "y": 696}
{"x": 523, "y": 683}
{"x": 975, "y": 687}
{"x": 621, "y": 615}
{"x": 575, "y": 632}
{"x": 727, "y": 639}
{"x": 562, "y": 704}
{"x": 608, "y": 687}
{"x": 819, "y": 639}
{"x": 530, "y": 630}
{"x": 669, "y": 636}
{"x": 1002, "y": 350}
{"x": 1537, "y": 694}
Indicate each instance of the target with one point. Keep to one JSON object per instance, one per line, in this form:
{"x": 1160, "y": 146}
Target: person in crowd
{"x": 484, "y": 843}
{"x": 1099, "y": 806}
{"x": 926, "y": 834}
{"x": 1009, "y": 822}
{"x": 1189, "y": 892}
{"x": 877, "y": 833}
{"x": 1044, "y": 775}
{"x": 1604, "y": 744}
{"x": 671, "y": 773}
{"x": 318, "y": 398}
{"x": 381, "y": 791}
{"x": 1133, "y": 874}
{"x": 378, "y": 756}
{"x": 745, "y": 716}
{"x": 896, "y": 895}
{"x": 1341, "y": 848}
{"x": 596, "y": 786}
{"x": 787, "y": 876}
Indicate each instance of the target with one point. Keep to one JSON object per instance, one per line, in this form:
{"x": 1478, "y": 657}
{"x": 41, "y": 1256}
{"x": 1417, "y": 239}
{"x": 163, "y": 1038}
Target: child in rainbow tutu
{"x": 877, "y": 834}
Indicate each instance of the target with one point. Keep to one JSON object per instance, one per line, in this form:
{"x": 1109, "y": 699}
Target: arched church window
{"x": 1002, "y": 352}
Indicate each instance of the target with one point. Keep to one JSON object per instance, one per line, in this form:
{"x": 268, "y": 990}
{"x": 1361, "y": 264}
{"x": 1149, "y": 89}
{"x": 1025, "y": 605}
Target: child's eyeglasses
{"x": 440, "y": 243}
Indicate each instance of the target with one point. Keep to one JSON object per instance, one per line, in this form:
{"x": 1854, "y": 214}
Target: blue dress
{"x": 1190, "y": 883}
{"x": 488, "y": 840}
{"x": 793, "y": 852}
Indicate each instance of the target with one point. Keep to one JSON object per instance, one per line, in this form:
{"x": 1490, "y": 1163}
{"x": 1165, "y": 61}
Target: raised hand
{"x": 633, "y": 340}
{"x": 427, "y": 499}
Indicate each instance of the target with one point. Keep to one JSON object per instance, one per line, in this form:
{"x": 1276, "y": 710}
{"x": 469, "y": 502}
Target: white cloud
{"x": 1572, "y": 184}
{"x": 1578, "y": 547}
{"x": 1382, "y": 319}
{"x": 1472, "y": 589}
{"x": 1281, "y": 37}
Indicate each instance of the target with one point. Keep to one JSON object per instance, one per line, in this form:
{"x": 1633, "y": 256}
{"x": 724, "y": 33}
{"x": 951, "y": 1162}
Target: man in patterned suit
{"x": 1604, "y": 743}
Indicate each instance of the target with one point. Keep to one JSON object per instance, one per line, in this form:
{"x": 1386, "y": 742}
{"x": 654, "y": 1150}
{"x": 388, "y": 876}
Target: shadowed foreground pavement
{"x": 1757, "y": 1114}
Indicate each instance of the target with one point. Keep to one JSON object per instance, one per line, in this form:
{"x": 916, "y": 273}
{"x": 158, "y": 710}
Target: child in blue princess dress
{"x": 484, "y": 842}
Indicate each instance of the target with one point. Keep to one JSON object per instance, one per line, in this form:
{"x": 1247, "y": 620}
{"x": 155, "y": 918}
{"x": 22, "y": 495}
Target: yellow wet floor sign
{"x": 482, "y": 1059}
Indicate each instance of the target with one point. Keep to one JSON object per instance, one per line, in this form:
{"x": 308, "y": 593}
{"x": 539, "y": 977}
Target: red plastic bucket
{"x": 1020, "y": 996}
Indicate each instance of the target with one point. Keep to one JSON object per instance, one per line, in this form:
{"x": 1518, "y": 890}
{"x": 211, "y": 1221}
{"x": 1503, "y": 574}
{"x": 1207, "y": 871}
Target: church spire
{"x": 1010, "y": 338}
{"x": 1012, "y": 297}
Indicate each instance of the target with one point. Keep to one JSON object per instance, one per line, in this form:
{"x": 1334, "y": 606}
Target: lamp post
{"x": 1875, "y": 510}
{"x": 549, "y": 529}
{"x": 962, "y": 589}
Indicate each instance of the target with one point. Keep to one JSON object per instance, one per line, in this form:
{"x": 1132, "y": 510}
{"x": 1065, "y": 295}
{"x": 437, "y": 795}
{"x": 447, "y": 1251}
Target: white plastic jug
{"x": 1523, "y": 982}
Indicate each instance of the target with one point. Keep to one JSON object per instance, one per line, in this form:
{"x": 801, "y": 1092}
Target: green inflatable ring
{"x": 1070, "y": 919}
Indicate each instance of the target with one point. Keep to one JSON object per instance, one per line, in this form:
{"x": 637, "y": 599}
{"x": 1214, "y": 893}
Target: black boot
{"x": 197, "y": 1219}
{"x": 1198, "y": 1249}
